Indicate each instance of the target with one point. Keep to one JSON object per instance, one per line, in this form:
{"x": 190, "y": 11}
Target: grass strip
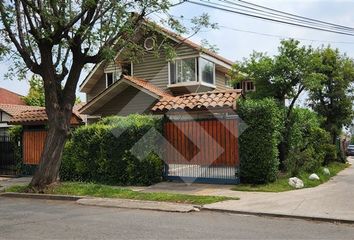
{"x": 281, "y": 184}
{"x": 105, "y": 191}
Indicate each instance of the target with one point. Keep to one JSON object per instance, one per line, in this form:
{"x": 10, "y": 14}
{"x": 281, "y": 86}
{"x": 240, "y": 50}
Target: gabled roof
{"x": 38, "y": 115}
{"x": 8, "y": 97}
{"x": 196, "y": 101}
{"x": 190, "y": 43}
{"x": 172, "y": 35}
{"x": 138, "y": 83}
{"x": 13, "y": 109}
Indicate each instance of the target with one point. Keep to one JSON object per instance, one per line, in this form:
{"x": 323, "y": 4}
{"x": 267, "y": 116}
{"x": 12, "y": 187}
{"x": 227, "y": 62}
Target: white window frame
{"x": 113, "y": 76}
{"x": 200, "y": 73}
{"x": 245, "y": 86}
{"x": 196, "y": 59}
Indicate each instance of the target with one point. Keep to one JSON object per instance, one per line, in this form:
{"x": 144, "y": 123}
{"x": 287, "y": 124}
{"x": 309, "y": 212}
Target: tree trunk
{"x": 48, "y": 169}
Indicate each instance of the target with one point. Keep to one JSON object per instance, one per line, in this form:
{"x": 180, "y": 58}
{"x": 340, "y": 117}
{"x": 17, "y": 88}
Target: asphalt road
{"x": 41, "y": 219}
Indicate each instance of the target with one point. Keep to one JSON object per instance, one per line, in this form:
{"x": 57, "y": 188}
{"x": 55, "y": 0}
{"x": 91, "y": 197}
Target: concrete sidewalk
{"x": 6, "y": 182}
{"x": 331, "y": 200}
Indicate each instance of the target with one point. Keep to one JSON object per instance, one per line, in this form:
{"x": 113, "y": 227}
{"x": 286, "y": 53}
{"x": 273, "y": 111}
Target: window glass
{"x": 207, "y": 71}
{"x": 183, "y": 70}
{"x": 127, "y": 69}
{"x": 109, "y": 79}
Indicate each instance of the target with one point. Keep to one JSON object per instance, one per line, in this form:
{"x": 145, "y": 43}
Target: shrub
{"x": 102, "y": 153}
{"x": 258, "y": 143}
{"x": 307, "y": 142}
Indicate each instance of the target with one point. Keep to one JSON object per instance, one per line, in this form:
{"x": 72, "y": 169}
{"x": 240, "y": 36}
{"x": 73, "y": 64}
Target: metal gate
{"x": 7, "y": 156}
{"x": 202, "y": 150}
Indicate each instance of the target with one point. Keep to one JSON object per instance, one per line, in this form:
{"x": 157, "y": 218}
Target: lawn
{"x": 281, "y": 185}
{"x": 97, "y": 190}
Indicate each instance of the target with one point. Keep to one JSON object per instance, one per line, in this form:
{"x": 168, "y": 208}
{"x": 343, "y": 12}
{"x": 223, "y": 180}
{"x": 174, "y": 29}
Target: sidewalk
{"x": 331, "y": 200}
{"x": 8, "y": 182}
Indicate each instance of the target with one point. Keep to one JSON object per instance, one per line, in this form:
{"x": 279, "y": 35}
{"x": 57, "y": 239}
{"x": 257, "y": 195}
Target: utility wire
{"x": 273, "y": 19}
{"x": 283, "y": 15}
{"x": 294, "y": 15}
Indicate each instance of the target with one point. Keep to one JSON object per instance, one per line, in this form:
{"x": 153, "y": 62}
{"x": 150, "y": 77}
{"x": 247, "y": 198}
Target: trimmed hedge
{"x": 259, "y": 142}
{"x": 101, "y": 152}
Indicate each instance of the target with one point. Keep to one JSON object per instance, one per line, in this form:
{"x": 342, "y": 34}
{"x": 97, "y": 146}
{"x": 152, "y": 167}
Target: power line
{"x": 290, "y": 14}
{"x": 273, "y": 19}
{"x": 282, "y": 37}
{"x": 268, "y": 14}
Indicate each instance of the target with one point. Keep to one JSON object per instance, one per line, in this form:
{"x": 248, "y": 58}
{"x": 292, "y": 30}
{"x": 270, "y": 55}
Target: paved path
{"x": 40, "y": 219}
{"x": 334, "y": 199}
{"x": 7, "y": 182}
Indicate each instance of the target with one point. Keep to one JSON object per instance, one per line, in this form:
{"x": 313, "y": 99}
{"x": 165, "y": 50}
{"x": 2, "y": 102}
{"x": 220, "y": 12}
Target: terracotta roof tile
{"x": 13, "y": 109}
{"x": 34, "y": 114}
{"x": 198, "y": 101}
{"x": 8, "y": 97}
{"x": 148, "y": 86}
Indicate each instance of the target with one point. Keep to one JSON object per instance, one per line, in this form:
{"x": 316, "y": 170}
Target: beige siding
{"x": 155, "y": 69}
{"x": 130, "y": 101}
{"x": 220, "y": 82}
{"x": 99, "y": 87}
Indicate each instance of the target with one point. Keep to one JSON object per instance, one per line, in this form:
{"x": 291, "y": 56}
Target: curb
{"x": 278, "y": 215}
{"x": 40, "y": 196}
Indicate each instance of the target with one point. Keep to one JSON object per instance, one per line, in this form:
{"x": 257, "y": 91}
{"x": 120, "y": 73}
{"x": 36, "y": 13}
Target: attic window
{"x": 111, "y": 77}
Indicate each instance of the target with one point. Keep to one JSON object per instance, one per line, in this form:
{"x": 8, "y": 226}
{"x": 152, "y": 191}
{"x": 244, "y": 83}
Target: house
{"x": 122, "y": 87}
{"x": 193, "y": 85}
{"x": 10, "y": 104}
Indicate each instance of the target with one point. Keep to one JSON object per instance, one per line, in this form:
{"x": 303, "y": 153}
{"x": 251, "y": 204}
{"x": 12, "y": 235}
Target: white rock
{"x": 326, "y": 171}
{"x": 296, "y": 182}
{"x": 314, "y": 176}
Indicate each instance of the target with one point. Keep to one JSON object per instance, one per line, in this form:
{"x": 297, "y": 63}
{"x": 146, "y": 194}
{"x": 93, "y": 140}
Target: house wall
{"x": 130, "y": 101}
{"x": 155, "y": 70}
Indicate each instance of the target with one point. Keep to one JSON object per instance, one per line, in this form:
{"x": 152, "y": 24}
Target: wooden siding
{"x": 99, "y": 87}
{"x": 210, "y": 143}
{"x": 33, "y": 144}
{"x": 130, "y": 101}
{"x": 220, "y": 82}
{"x": 155, "y": 69}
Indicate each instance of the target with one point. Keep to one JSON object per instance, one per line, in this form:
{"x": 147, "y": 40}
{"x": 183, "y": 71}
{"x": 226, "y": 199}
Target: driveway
{"x": 334, "y": 199}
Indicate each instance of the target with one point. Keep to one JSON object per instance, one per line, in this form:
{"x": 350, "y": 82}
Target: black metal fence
{"x": 7, "y": 156}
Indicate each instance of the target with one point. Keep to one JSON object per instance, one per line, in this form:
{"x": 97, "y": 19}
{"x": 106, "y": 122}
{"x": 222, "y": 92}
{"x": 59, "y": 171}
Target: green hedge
{"x": 101, "y": 152}
{"x": 308, "y": 143}
{"x": 258, "y": 143}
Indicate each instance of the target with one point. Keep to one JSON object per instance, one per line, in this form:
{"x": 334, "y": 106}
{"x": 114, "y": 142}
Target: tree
{"x": 35, "y": 96}
{"x": 333, "y": 98}
{"x": 57, "y": 39}
{"x": 283, "y": 77}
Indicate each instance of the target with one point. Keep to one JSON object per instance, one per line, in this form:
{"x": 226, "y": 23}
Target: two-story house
{"x": 154, "y": 83}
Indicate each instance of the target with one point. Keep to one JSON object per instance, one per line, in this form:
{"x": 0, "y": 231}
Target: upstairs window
{"x": 112, "y": 77}
{"x": 192, "y": 70}
{"x": 249, "y": 86}
{"x": 183, "y": 70}
{"x": 206, "y": 71}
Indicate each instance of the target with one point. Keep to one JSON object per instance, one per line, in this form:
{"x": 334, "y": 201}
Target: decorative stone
{"x": 296, "y": 182}
{"x": 326, "y": 171}
{"x": 314, "y": 176}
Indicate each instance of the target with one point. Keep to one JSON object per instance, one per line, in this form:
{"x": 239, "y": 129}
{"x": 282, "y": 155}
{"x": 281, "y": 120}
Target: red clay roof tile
{"x": 198, "y": 101}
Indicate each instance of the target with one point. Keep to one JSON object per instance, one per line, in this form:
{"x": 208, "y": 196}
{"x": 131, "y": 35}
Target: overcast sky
{"x": 236, "y": 45}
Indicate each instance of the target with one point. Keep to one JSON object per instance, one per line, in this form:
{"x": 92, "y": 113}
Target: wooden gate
{"x": 202, "y": 150}
{"x": 33, "y": 144}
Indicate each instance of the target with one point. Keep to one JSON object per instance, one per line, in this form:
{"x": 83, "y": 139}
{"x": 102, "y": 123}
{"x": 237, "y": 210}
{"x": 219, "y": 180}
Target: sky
{"x": 238, "y": 44}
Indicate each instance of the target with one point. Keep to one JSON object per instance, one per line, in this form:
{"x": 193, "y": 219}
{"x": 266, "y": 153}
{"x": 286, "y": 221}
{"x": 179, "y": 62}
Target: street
{"x": 41, "y": 219}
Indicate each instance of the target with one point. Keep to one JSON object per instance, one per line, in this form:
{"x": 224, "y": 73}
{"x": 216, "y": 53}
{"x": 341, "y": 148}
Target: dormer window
{"x": 189, "y": 70}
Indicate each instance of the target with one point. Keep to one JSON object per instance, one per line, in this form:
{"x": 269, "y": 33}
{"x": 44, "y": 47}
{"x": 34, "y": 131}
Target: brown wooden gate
{"x": 33, "y": 144}
{"x": 202, "y": 150}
